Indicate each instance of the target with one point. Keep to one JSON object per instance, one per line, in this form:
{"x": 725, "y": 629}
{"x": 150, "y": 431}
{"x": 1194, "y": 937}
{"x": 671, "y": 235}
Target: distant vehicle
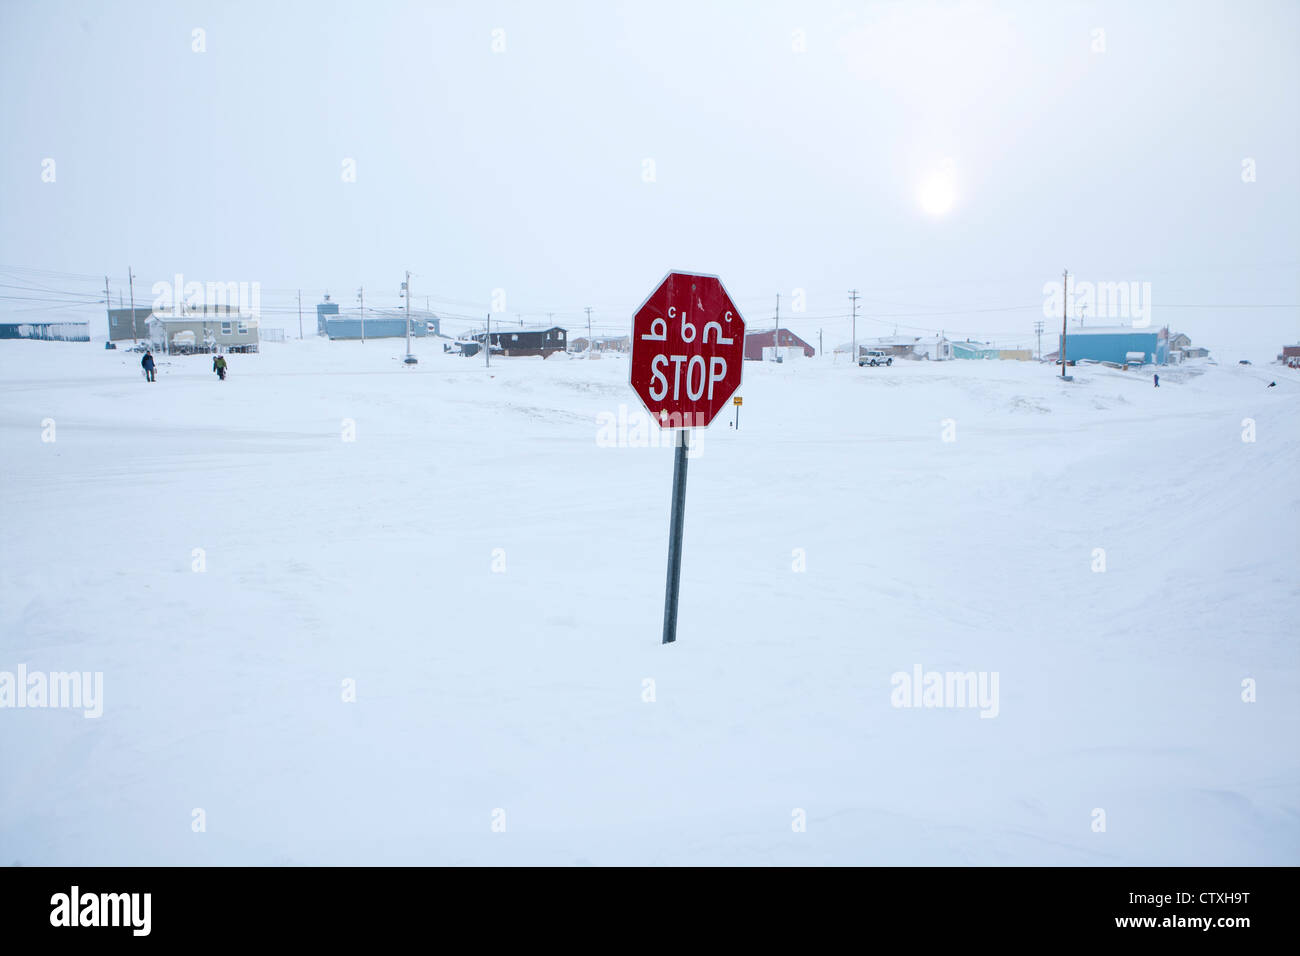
{"x": 1243, "y": 361}
{"x": 874, "y": 357}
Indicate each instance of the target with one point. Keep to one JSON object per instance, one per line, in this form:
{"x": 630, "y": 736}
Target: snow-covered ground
{"x": 485, "y": 562}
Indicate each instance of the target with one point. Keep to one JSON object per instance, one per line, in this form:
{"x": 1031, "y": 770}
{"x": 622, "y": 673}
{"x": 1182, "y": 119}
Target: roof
{"x": 788, "y": 338}
{"x": 1115, "y": 330}
{"x": 889, "y": 340}
{"x": 212, "y": 318}
{"x": 8, "y": 322}
{"x": 911, "y": 340}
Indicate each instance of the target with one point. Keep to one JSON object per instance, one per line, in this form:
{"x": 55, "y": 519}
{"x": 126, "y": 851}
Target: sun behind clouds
{"x": 937, "y": 193}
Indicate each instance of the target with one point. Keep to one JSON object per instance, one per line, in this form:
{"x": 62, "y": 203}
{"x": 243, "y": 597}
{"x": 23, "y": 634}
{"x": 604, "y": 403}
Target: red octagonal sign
{"x": 688, "y": 350}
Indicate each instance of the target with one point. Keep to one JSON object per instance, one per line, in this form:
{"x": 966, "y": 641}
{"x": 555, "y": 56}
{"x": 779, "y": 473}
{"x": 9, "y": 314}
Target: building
{"x": 757, "y": 342}
{"x": 970, "y": 349}
{"x": 936, "y": 348}
{"x": 608, "y": 343}
{"x": 897, "y": 346}
{"x": 324, "y": 310}
{"x": 523, "y": 341}
{"x": 46, "y": 331}
{"x": 1016, "y": 355}
{"x": 379, "y": 323}
{"x": 129, "y": 323}
{"x": 217, "y": 328}
{"x": 1290, "y": 356}
{"x": 1117, "y": 345}
{"x": 1181, "y": 348}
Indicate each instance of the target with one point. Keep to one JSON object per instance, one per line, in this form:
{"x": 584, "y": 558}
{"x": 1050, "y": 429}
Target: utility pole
{"x": 853, "y": 297}
{"x": 361, "y": 298}
{"x": 821, "y": 350}
{"x": 776, "y": 336}
{"x": 108, "y": 307}
{"x": 300, "y": 315}
{"x": 130, "y": 278}
{"x": 406, "y": 291}
{"x": 589, "y": 328}
{"x": 1038, "y": 330}
{"x": 1065, "y": 311}
{"x": 487, "y": 343}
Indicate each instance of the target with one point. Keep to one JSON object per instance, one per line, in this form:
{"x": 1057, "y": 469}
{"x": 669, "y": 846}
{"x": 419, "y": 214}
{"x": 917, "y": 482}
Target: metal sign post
{"x": 675, "y": 525}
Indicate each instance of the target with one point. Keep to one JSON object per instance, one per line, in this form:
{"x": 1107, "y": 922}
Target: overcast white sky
{"x": 525, "y": 169}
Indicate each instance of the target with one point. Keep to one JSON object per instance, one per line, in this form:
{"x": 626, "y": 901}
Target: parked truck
{"x": 874, "y": 357}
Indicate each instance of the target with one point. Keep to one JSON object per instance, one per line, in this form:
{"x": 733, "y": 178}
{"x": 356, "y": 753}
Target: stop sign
{"x": 688, "y": 350}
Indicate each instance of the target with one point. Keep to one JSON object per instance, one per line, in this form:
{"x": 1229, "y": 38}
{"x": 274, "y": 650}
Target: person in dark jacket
{"x": 147, "y": 364}
{"x": 219, "y": 366}
{"x": 1156, "y": 376}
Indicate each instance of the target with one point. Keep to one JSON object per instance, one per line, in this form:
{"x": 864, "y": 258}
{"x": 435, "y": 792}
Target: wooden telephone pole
{"x": 1065, "y": 311}
{"x": 130, "y": 278}
{"x": 853, "y": 297}
{"x": 776, "y": 335}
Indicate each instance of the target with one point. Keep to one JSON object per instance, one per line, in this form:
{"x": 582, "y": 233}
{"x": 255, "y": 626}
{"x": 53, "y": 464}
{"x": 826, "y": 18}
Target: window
{"x": 514, "y": 338}
{"x": 243, "y": 327}
{"x": 225, "y": 328}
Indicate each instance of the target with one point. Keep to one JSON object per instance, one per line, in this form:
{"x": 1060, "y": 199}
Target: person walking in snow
{"x": 219, "y": 366}
{"x": 1156, "y": 376}
{"x": 147, "y": 363}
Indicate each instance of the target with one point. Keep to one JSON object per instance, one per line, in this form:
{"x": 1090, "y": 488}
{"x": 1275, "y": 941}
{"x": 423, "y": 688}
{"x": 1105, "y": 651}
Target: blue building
{"x": 1121, "y": 345}
{"x": 46, "y": 331}
{"x": 974, "y": 350}
{"x": 379, "y": 323}
{"x": 323, "y": 311}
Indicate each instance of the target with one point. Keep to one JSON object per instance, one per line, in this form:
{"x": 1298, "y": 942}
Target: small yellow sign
{"x": 738, "y": 401}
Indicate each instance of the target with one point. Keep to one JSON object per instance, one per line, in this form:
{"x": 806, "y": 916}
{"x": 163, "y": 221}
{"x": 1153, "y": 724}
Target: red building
{"x": 755, "y": 342}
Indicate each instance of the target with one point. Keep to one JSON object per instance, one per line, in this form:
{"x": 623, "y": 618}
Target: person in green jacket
{"x": 219, "y": 366}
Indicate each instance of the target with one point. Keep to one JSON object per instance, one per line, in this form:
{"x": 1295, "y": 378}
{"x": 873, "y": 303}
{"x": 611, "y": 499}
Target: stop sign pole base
{"x": 675, "y": 525}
